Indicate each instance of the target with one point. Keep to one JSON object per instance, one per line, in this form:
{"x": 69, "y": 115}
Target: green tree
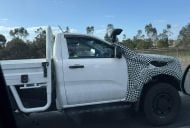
{"x": 19, "y": 33}
{"x": 90, "y": 30}
{"x": 40, "y": 34}
{"x": 143, "y": 44}
{"x": 162, "y": 44}
{"x": 163, "y": 37}
{"x": 184, "y": 36}
{"x": 151, "y": 33}
{"x": 109, "y": 29}
{"x": 168, "y": 30}
{"x": 140, "y": 42}
{"x": 87, "y": 30}
{"x": 16, "y": 49}
{"x": 129, "y": 43}
{"x": 39, "y": 44}
{"x": 124, "y": 37}
{"x": 67, "y": 30}
{"x": 139, "y": 35}
{"x": 2, "y": 40}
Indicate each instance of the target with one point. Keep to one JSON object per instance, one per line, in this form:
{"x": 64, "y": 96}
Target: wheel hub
{"x": 162, "y": 104}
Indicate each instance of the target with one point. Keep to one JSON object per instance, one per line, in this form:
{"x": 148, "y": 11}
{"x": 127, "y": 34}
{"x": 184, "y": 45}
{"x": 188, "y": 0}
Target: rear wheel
{"x": 161, "y": 104}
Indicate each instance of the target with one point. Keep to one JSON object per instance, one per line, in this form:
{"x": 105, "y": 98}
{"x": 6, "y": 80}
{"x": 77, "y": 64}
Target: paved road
{"x": 99, "y": 120}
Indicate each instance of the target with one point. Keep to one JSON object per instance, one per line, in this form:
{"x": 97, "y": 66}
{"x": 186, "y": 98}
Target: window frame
{"x": 90, "y": 38}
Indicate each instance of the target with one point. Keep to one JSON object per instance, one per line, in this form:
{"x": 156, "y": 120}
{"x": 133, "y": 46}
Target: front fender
{"x": 146, "y": 74}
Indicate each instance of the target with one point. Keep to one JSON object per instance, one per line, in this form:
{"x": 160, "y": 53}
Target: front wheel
{"x": 161, "y": 104}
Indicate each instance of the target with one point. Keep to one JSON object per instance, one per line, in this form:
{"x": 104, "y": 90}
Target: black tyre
{"x": 161, "y": 104}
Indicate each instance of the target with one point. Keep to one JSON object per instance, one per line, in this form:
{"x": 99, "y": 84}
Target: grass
{"x": 182, "y": 54}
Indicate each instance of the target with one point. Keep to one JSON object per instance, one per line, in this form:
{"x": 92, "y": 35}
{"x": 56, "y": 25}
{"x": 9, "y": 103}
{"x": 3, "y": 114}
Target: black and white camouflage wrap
{"x": 141, "y": 70}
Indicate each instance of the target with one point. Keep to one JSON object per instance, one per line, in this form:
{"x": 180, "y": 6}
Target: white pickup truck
{"x": 82, "y": 73}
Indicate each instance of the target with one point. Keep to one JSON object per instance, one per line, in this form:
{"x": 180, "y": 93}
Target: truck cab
{"x": 87, "y": 66}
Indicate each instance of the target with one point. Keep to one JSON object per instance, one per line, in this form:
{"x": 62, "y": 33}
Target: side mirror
{"x": 115, "y": 33}
{"x": 118, "y": 52}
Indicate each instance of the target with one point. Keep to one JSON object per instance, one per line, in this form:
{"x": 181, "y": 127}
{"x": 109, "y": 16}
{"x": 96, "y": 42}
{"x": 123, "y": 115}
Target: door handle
{"x": 76, "y": 66}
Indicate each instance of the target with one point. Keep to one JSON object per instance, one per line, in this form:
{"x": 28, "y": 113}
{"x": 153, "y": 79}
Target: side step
{"x": 100, "y": 107}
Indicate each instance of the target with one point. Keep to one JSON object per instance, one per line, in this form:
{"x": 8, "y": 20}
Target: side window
{"x": 79, "y": 47}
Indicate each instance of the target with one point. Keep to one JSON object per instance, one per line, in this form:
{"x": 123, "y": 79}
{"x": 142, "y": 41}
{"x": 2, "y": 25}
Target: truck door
{"x": 92, "y": 74}
{"x": 186, "y": 81}
{"x": 31, "y": 76}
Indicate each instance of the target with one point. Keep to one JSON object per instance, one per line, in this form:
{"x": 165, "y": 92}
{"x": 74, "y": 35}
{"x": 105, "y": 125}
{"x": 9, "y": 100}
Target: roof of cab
{"x": 83, "y": 35}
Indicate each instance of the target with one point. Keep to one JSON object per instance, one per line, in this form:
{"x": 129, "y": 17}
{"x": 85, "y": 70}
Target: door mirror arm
{"x": 118, "y": 52}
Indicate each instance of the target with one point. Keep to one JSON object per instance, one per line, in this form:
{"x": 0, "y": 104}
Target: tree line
{"x": 150, "y": 38}
{"x": 20, "y": 48}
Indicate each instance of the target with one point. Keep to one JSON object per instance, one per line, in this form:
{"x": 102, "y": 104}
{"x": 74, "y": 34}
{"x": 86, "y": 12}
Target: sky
{"x": 131, "y": 15}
